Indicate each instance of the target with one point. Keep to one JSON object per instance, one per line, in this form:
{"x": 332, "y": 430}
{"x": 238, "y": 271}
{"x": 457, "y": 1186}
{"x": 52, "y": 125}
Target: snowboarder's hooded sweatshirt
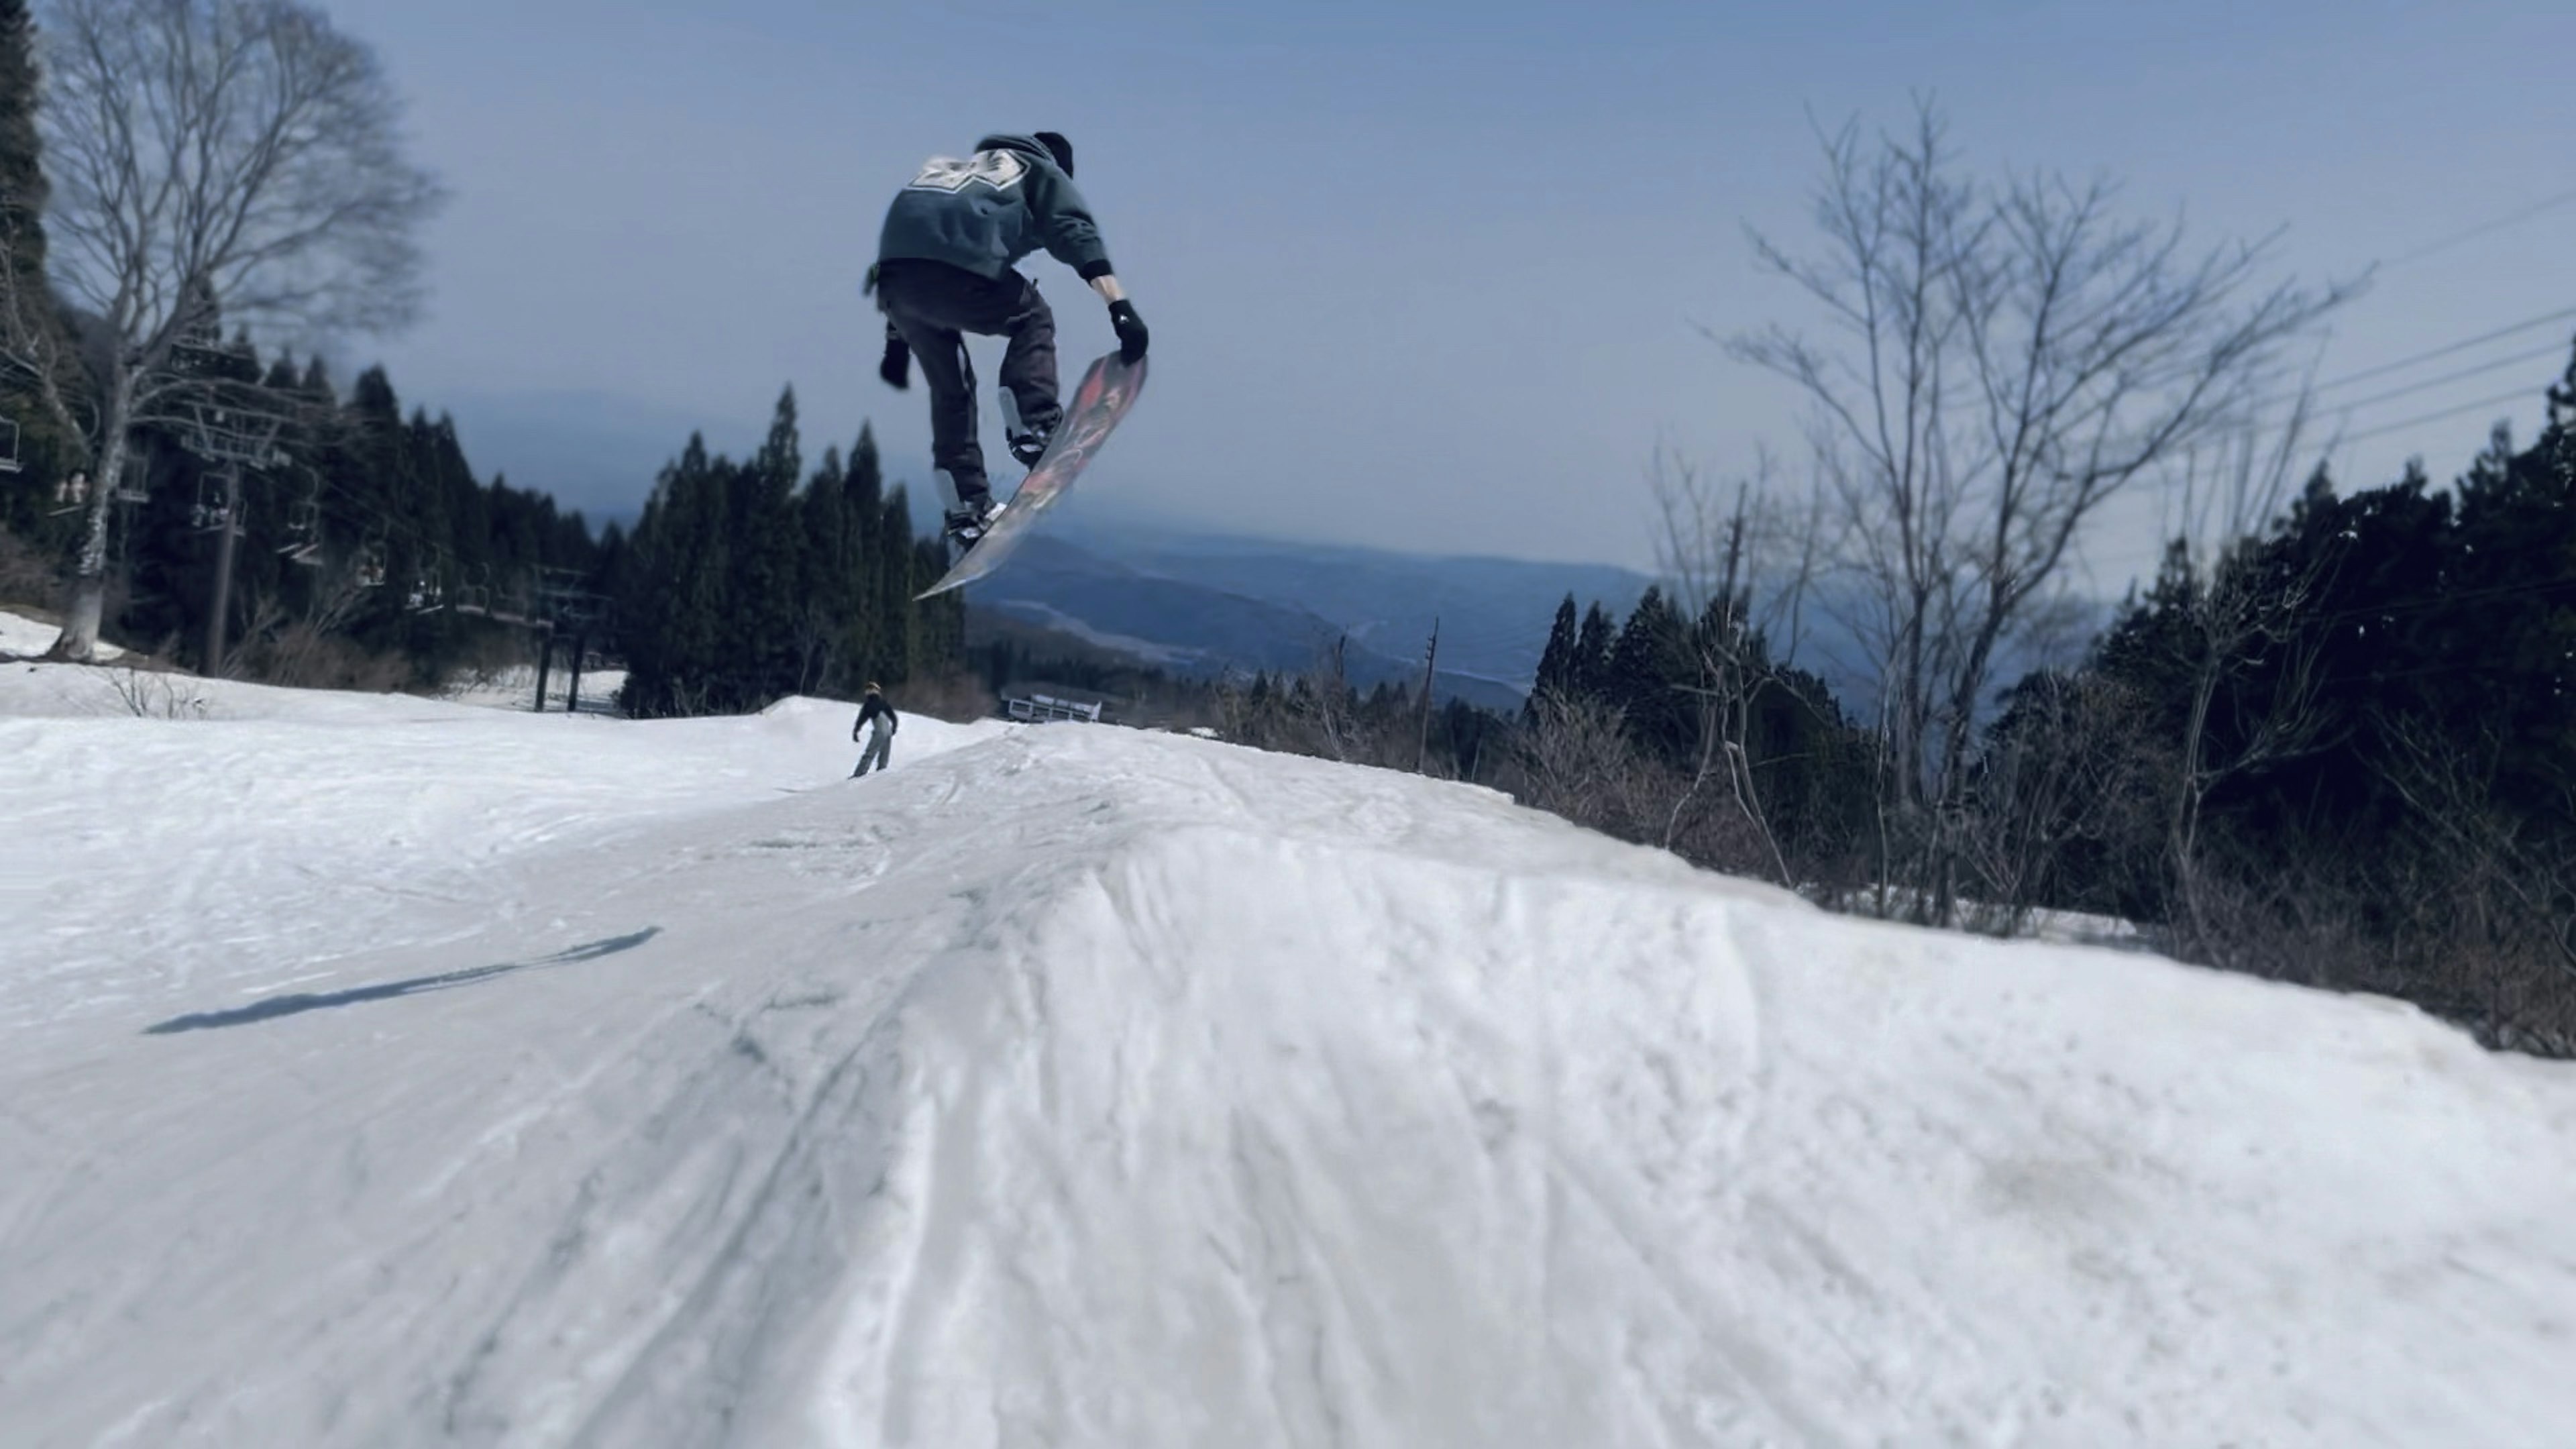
{"x": 874, "y": 710}
{"x": 986, "y": 212}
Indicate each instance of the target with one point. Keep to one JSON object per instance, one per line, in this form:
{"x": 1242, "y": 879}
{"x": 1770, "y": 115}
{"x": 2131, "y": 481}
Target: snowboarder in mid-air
{"x": 875, "y": 711}
{"x": 945, "y": 267}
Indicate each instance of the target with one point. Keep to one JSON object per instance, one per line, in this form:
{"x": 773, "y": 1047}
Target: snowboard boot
{"x": 968, "y": 524}
{"x": 1027, "y": 438}
{"x": 1028, "y": 448}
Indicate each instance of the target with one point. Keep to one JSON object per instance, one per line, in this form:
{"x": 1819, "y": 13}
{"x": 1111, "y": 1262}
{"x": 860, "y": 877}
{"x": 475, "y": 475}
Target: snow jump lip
{"x": 271, "y": 1008}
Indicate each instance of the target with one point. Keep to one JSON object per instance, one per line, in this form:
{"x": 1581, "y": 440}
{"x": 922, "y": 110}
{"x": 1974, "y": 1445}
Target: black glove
{"x": 1131, "y": 331}
{"x": 896, "y": 369}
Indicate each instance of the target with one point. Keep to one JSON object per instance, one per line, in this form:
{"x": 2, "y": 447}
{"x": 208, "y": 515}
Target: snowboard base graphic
{"x": 1108, "y": 389}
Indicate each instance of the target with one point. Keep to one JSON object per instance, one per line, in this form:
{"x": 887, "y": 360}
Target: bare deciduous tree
{"x": 2242, "y": 609}
{"x": 1740, "y": 567}
{"x": 2011, "y": 359}
{"x": 2503, "y": 894}
{"x": 2071, "y": 775}
{"x": 214, "y": 160}
{"x": 306, "y": 650}
{"x": 1322, "y": 700}
{"x": 1573, "y": 759}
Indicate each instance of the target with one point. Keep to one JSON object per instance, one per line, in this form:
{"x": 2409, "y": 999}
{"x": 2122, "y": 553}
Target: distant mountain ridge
{"x": 1193, "y": 628}
{"x": 1204, "y": 603}
{"x": 1200, "y": 602}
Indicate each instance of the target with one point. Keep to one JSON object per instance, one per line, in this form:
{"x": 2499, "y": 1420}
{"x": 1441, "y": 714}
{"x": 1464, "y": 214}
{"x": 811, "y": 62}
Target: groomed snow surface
{"x": 390, "y": 1072}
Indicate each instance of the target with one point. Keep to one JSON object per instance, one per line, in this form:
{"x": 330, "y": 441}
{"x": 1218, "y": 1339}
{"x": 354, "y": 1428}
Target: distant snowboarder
{"x": 944, "y": 268}
{"x": 876, "y": 716}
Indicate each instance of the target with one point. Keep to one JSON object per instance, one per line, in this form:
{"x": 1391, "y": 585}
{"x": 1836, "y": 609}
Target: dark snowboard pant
{"x": 932, "y": 305}
{"x": 879, "y": 753}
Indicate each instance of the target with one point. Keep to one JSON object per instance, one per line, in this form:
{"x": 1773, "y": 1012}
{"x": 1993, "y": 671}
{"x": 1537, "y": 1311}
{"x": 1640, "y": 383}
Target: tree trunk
{"x": 78, "y": 643}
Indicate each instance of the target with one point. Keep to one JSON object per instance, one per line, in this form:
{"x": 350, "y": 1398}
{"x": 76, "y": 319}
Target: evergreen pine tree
{"x": 675, "y": 616}
{"x": 1591, "y": 673}
{"x": 940, "y": 627}
{"x": 825, "y": 571}
{"x": 2504, "y": 635}
{"x": 762, "y": 621}
{"x": 1556, "y": 670}
{"x": 869, "y": 626}
{"x": 890, "y": 584}
{"x": 24, "y": 293}
{"x": 1646, "y": 674}
{"x": 709, "y": 619}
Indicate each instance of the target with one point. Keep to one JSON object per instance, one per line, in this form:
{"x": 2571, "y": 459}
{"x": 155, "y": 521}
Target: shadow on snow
{"x": 277, "y": 1006}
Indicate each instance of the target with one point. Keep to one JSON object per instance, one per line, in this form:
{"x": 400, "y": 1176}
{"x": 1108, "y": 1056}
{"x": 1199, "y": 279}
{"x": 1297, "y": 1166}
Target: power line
{"x": 2481, "y": 229}
{"x": 2535, "y": 355}
{"x": 2425, "y": 385}
{"x": 2403, "y": 363}
{"x": 2538, "y": 208}
{"x": 2520, "y": 394}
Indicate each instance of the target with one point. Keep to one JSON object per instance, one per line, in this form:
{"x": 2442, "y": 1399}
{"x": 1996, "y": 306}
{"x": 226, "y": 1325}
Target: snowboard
{"x": 1107, "y": 390}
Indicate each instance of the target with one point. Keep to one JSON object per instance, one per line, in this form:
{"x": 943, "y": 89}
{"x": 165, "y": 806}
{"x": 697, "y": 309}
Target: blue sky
{"x": 1421, "y": 275}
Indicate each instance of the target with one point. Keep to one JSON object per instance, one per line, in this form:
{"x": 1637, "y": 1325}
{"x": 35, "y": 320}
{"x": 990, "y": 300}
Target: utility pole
{"x": 229, "y": 425}
{"x": 1430, "y": 670}
{"x": 580, "y": 643}
{"x": 545, "y": 657}
{"x": 232, "y": 525}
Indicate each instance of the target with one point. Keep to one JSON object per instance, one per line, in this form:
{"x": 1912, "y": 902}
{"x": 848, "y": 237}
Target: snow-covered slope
{"x": 388, "y": 1072}
{"x": 516, "y": 688}
{"x": 20, "y": 635}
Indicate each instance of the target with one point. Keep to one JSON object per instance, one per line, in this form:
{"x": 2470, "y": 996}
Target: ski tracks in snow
{"x": 1308, "y": 1114}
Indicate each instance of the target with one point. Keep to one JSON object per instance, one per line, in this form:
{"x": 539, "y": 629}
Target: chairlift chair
{"x": 569, "y": 608}
{"x": 303, "y": 533}
{"x": 130, "y": 485}
{"x": 208, "y": 514}
{"x": 428, "y": 591}
{"x": 71, "y": 495}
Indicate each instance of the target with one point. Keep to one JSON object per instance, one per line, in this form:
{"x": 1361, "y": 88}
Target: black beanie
{"x": 1058, "y": 146}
